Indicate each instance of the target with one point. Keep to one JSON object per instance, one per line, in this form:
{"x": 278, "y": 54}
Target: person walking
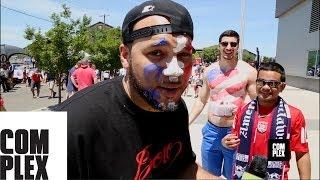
{"x": 84, "y": 76}
{"x": 36, "y": 82}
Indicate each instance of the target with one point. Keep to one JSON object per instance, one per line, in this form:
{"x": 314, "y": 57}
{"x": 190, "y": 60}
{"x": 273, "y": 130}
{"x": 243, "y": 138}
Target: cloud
{"x": 43, "y": 8}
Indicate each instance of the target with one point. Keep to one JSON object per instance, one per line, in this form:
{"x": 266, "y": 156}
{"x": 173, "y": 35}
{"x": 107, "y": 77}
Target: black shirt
{"x": 110, "y": 137}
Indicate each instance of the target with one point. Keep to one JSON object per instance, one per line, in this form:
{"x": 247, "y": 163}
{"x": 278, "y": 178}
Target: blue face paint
{"x": 152, "y": 72}
{"x": 161, "y": 42}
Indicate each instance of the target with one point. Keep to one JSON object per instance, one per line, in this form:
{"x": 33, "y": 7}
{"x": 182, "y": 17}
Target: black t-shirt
{"x": 110, "y": 137}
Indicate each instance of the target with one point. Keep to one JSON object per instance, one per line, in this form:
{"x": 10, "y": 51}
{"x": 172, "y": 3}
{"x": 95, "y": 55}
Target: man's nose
{"x": 174, "y": 68}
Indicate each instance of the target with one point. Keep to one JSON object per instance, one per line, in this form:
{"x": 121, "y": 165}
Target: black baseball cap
{"x": 179, "y": 17}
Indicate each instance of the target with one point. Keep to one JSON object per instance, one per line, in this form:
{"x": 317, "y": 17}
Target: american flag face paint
{"x": 181, "y": 43}
{"x": 161, "y": 42}
{"x": 174, "y": 67}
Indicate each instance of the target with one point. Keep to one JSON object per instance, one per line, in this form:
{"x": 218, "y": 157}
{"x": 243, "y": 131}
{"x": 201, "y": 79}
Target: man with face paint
{"x": 136, "y": 126}
{"x": 226, "y": 82}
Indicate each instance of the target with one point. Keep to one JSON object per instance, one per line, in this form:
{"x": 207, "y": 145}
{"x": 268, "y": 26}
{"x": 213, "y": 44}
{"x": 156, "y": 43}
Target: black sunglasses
{"x": 232, "y": 44}
{"x": 272, "y": 84}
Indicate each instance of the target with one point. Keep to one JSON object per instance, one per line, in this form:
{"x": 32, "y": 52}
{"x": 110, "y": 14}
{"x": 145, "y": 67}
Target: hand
{"x": 230, "y": 141}
{"x": 223, "y": 108}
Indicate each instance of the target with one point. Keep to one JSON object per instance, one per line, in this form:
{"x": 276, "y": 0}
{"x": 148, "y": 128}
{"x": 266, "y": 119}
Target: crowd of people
{"x": 136, "y": 126}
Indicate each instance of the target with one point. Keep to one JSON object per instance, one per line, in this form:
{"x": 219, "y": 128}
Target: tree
{"x": 267, "y": 59}
{"x": 210, "y": 54}
{"x": 104, "y": 47}
{"x": 247, "y": 56}
{"x": 58, "y": 49}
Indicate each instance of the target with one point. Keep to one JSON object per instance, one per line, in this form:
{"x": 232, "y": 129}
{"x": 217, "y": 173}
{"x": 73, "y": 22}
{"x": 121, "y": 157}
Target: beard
{"x": 150, "y": 96}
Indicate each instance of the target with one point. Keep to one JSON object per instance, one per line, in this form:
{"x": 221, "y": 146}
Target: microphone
{"x": 257, "y": 168}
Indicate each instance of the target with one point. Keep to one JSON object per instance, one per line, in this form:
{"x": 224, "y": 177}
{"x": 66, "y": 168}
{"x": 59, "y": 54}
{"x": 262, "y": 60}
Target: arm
{"x": 200, "y": 102}
{"x": 230, "y": 141}
{"x": 94, "y": 76}
{"x": 251, "y": 87}
{"x": 299, "y": 144}
{"x": 194, "y": 171}
{"x": 73, "y": 81}
{"x": 304, "y": 165}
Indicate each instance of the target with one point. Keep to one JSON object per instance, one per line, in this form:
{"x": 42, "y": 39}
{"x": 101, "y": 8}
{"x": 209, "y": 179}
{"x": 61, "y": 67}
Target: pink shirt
{"x": 84, "y": 77}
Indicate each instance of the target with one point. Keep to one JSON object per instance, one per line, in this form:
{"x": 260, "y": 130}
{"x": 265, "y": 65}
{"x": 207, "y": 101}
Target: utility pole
{"x": 104, "y": 17}
{"x": 258, "y": 59}
{"x": 242, "y": 24}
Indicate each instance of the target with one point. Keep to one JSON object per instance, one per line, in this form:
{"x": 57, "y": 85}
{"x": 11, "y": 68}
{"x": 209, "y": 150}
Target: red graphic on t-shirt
{"x": 164, "y": 157}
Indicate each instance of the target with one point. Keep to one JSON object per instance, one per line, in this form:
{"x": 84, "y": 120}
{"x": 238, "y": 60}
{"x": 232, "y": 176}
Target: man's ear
{"x": 282, "y": 86}
{"x": 124, "y": 55}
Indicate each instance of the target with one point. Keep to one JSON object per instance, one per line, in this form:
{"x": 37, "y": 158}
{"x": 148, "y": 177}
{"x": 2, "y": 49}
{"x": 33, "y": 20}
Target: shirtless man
{"x": 226, "y": 82}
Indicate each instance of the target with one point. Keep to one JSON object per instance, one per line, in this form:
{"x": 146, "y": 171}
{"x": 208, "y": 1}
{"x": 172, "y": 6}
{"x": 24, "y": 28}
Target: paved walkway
{"x": 20, "y": 99}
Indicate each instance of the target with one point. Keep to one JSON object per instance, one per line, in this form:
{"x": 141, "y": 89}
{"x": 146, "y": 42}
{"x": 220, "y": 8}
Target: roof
{"x": 283, "y": 6}
{"x": 101, "y": 23}
{"x": 9, "y": 50}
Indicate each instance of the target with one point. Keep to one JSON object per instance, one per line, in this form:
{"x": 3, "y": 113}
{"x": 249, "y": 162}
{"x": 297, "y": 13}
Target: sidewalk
{"x": 20, "y": 98}
{"x": 306, "y": 101}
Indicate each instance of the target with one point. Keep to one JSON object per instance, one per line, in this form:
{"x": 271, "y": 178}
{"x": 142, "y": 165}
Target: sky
{"x": 210, "y": 18}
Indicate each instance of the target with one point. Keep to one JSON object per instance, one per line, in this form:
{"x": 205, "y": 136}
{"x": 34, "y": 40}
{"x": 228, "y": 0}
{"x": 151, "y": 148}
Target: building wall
{"x": 294, "y": 41}
{"x": 284, "y": 6}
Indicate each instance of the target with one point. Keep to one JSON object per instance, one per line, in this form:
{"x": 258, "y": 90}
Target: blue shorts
{"x": 213, "y": 153}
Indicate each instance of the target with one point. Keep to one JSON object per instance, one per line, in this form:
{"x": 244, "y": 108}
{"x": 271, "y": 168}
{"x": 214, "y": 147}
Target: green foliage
{"x": 104, "y": 48}
{"x": 266, "y": 59}
{"x": 247, "y": 56}
{"x": 210, "y": 54}
{"x": 58, "y": 49}
{"x": 197, "y": 54}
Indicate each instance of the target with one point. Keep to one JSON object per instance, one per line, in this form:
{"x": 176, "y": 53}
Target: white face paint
{"x": 181, "y": 43}
{"x": 174, "y": 67}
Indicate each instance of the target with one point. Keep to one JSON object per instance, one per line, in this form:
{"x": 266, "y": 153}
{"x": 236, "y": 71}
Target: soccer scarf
{"x": 280, "y": 129}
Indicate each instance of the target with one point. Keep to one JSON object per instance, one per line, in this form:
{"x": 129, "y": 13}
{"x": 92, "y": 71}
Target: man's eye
{"x": 156, "y": 53}
{"x": 184, "y": 55}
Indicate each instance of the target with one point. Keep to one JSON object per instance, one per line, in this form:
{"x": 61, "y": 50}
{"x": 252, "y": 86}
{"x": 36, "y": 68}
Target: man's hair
{"x": 273, "y": 66}
{"x": 229, "y": 33}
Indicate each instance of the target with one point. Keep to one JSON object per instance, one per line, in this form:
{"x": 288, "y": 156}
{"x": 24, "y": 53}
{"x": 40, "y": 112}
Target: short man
{"x": 226, "y": 82}
{"x": 70, "y": 88}
{"x": 36, "y": 82}
{"x": 267, "y": 116}
{"x": 84, "y": 76}
{"x": 136, "y": 126}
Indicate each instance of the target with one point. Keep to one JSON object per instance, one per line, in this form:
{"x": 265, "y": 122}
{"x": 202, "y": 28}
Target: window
{"x": 313, "y": 67}
{"x": 315, "y": 16}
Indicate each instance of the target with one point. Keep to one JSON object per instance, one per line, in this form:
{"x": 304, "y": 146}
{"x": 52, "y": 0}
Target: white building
{"x": 298, "y": 42}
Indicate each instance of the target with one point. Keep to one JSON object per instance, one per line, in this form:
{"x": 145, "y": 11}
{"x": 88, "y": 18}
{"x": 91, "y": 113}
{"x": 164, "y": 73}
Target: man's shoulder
{"x": 294, "y": 111}
{"x": 246, "y": 67}
{"x": 98, "y": 95}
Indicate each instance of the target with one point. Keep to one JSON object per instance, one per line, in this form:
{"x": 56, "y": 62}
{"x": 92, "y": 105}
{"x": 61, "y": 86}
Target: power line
{"x": 21, "y": 12}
